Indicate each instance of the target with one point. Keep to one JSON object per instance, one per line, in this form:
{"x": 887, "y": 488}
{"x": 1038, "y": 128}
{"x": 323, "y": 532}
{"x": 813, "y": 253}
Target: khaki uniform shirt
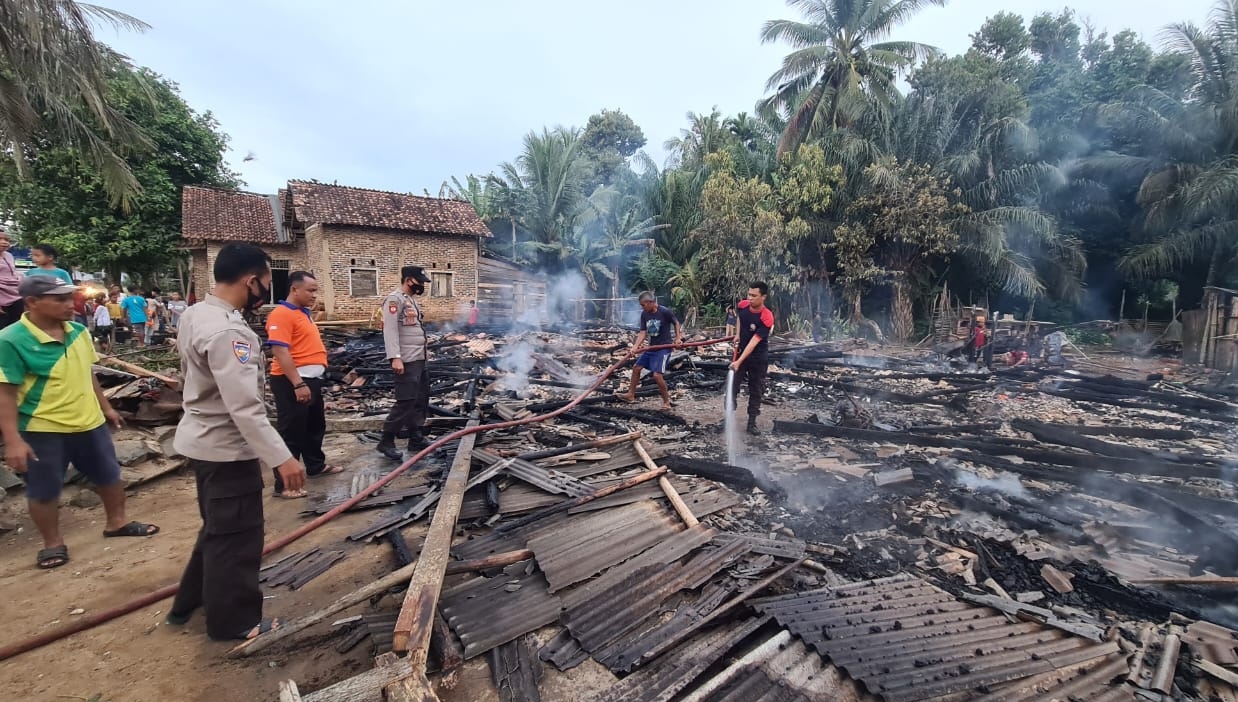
{"x": 221, "y": 363}
{"x": 403, "y": 334}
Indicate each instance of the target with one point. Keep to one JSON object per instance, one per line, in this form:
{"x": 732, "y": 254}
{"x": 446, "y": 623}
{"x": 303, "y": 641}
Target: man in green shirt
{"x": 53, "y": 413}
{"x": 44, "y": 257}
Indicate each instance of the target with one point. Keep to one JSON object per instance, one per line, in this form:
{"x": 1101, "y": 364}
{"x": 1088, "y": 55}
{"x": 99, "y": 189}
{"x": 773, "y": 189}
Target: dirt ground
{"x": 140, "y": 658}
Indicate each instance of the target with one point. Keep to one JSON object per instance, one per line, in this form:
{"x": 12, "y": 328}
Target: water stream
{"x": 730, "y": 427}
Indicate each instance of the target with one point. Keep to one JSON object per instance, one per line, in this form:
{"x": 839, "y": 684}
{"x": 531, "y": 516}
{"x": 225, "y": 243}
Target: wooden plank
{"x": 367, "y": 686}
{"x": 416, "y": 621}
{"x": 288, "y": 691}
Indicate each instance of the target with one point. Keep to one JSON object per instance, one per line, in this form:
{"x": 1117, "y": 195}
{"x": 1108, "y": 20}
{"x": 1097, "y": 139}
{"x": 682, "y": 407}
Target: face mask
{"x": 255, "y": 301}
{"x": 416, "y": 286}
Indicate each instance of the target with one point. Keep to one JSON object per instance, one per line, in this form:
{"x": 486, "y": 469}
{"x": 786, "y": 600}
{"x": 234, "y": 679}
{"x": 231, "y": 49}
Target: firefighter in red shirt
{"x": 751, "y": 357}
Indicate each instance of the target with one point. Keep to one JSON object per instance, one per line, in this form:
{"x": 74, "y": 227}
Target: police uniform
{"x": 405, "y": 339}
{"x": 225, "y": 434}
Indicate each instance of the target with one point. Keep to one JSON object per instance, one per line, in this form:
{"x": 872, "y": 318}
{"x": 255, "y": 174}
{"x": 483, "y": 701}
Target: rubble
{"x": 909, "y": 530}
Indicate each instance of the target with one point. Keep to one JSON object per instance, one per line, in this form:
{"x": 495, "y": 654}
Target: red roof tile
{"x": 209, "y": 214}
{"x": 338, "y": 204}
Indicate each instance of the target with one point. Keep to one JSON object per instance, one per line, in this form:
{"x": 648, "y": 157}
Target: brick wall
{"x": 203, "y": 261}
{"x": 343, "y": 249}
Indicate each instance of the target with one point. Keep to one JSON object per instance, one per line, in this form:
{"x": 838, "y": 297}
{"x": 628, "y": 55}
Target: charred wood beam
{"x": 1122, "y": 431}
{"x": 573, "y": 448}
{"x": 399, "y": 548}
{"x": 1100, "y": 398}
{"x": 721, "y": 472}
{"x": 955, "y": 428}
{"x": 1065, "y": 436}
{"x": 1007, "y": 447}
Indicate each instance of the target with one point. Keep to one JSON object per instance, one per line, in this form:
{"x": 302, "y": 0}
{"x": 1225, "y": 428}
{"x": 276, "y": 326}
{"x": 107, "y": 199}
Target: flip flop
{"x": 133, "y": 529}
{"x": 329, "y": 470}
{"x": 291, "y": 494}
{"x": 624, "y": 398}
{"x": 53, "y": 557}
{"x": 263, "y": 626}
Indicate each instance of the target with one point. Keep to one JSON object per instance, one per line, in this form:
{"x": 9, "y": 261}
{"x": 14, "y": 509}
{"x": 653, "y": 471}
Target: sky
{"x": 403, "y": 94}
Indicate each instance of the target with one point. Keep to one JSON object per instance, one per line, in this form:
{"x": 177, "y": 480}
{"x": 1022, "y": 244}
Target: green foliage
{"x": 610, "y": 138}
{"x": 66, "y": 199}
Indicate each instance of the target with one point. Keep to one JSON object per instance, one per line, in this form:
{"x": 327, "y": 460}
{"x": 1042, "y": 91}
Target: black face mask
{"x": 416, "y": 286}
{"x": 254, "y": 301}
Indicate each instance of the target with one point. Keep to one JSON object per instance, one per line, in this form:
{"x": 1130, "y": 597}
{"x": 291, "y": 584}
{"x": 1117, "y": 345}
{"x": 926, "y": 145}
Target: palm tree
{"x": 544, "y": 189}
{"x": 705, "y": 134}
{"x": 623, "y": 224}
{"x": 839, "y": 69}
{"x": 53, "y": 87}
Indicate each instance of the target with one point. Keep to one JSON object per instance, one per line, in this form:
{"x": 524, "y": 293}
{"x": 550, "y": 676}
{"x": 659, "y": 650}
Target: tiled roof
{"x": 209, "y": 214}
{"x": 338, "y": 204}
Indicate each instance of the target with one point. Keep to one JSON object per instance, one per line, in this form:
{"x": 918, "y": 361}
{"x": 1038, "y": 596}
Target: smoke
{"x": 517, "y": 362}
{"x": 1005, "y": 483}
{"x": 562, "y": 294}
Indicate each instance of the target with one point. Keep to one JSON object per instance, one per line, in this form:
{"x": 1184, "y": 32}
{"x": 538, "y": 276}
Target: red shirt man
{"x": 751, "y": 358}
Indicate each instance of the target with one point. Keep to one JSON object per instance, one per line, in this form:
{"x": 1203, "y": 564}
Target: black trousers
{"x": 412, "y": 399}
{"x": 302, "y": 427}
{"x": 754, "y": 372}
{"x": 222, "y": 574}
{"x": 12, "y": 313}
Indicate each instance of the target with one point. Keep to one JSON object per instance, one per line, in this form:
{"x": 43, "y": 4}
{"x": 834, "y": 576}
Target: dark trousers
{"x": 222, "y": 575}
{"x": 12, "y": 313}
{"x": 753, "y": 371}
{"x": 301, "y": 426}
{"x": 412, "y": 399}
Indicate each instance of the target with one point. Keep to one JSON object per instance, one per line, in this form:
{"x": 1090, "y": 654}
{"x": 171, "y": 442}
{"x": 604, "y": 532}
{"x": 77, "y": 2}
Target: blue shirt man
{"x": 656, "y": 322}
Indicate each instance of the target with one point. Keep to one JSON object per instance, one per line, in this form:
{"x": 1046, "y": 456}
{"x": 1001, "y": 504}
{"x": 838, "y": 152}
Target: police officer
{"x": 225, "y": 434}
{"x": 405, "y": 341}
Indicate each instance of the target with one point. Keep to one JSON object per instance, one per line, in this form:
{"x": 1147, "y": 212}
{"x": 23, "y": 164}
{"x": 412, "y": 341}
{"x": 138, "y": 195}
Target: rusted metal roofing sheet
{"x": 599, "y": 540}
{"x": 669, "y": 674}
{"x": 1212, "y": 642}
{"x": 906, "y": 640}
{"x": 667, "y": 551}
{"x": 621, "y": 623}
{"x": 762, "y": 543}
{"x": 487, "y": 612}
{"x": 1090, "y": 681}
{"x": 621, "y": 456}
{"x": 547, "y": 479}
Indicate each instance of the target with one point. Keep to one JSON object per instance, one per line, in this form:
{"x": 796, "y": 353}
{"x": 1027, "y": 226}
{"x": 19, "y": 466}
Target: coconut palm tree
{"x": 840, "y": 68}
{"x": 545, "y": 190}
{"x": 623, "y": 224}
{"x": 53, "y": 87}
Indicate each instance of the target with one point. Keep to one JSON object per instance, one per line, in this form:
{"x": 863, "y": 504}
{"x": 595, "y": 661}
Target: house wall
{"x": 505, "y": 293}
{"x": 203, "y": 261}
{"x": 342, "y": 249}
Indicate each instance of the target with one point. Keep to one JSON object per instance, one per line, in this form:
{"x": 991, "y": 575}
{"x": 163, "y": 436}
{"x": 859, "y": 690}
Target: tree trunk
{"x": 614, "y": 294}
{"x": 903, "y": 320}
{"x": 859, "y": 320}
{"x": 1214, "y": 264}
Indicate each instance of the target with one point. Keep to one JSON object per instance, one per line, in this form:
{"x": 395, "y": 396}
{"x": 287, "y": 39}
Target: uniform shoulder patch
{"x": 393, "y": 307}
{"x": 241, "y": 350}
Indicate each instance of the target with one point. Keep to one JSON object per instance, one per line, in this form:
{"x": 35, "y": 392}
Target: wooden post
{"x": 416, "y": 621}
{"x": 669, "y": 490}
{"x": 138, "y": 370}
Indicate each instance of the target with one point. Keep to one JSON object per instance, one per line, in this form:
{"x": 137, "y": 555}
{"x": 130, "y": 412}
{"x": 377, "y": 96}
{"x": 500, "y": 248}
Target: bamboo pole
{"x": 139, "y": 370}
{"x": 669, "y": 490}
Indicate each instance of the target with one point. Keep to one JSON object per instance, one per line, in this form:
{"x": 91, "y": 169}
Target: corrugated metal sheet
{"x": 1093, "y": 680}
{"x": 621, "y": 623}
{"x": 671, "y": 673}
{"x": 597, "y": 541}
{"x": 547, "y": 479}
{"x": 791, "y": 549}
{"x": 487, "y": 612}
{"x": 1212, "y": 642}
{"x": 669, "y": 550}
{"x": 907, "y": 640}
{"x": 621, "y": 457}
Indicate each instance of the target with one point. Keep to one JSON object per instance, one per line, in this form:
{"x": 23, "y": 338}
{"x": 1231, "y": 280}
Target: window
{"x": 440, "y": 284}
{"x": 363, "y": 282}
{"x": 280, "y": 267}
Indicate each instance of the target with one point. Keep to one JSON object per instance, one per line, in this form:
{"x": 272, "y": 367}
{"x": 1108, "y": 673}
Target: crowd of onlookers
{"x": 142, "y": 316}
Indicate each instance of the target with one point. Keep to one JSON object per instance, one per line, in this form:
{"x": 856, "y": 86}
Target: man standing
{"x": 405, "y": 341}
{"x": 53, "y": 413}
{"x": 980, "y": 343}
{"x": 226, "y": 436}
{"x": 751, "y": 357}
{"x": 296, "y": 378}
{"x": 656, "y": 323}
{"x": 154, "y": 315}
{"x": 44, "y": 257}
{"x": 10, "y": 300}
{"x": 134, "y": 306}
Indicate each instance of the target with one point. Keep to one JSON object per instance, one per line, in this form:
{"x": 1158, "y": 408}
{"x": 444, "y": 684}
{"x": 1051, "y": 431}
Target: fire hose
{"x": 93, "y": 620}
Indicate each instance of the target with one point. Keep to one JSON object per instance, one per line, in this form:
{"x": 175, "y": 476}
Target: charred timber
{"x": 1006, "y": 447}
{"x": 1065, "y": 436}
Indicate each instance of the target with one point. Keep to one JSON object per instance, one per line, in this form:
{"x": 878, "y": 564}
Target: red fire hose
{"x": 93, "y": 620}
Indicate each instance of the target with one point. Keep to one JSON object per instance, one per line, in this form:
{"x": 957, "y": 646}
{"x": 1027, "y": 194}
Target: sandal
{"x": 133, "y": 529}
{"x": 329, "y": 470}
{"x": 53, "y": 557}
{"x": 291, "y": 494}
{"x": 263, "y": 626}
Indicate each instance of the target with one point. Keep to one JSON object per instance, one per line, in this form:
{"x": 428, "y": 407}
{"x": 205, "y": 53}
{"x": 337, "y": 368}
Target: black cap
{"x": 416, "y": 272}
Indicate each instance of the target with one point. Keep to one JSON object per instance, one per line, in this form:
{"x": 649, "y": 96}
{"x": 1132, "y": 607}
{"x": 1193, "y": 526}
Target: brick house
{"x": 354, "y": 240}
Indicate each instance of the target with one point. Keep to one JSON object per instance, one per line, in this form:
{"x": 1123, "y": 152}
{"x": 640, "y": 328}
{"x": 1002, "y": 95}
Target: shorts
{"x": 92, "y": 453}
{"x": 149, "y": 335}
{"x": 655, "y": 361}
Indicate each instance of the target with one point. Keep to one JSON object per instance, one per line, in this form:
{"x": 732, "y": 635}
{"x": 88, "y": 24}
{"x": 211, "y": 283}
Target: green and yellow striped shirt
{"x": 55, "y": 388}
